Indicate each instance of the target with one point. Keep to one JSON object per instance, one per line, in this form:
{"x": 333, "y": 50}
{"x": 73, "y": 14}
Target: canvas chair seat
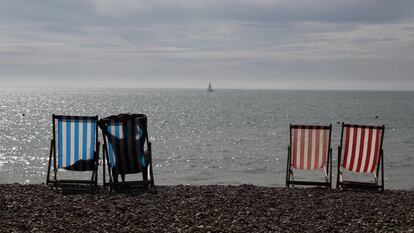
{"x": 361, "y": 152}
{"x": 125, "y": 138}
{"x": 74, "y": 147}
{"x": 309, "y": 149}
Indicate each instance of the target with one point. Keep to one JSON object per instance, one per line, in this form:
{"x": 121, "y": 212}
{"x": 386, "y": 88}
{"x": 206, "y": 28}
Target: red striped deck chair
{"x": 125, "y": 137}
{"x": 309, "y": 149}
{"x": 74, "y": 147}
{"x": 361, "y": 152}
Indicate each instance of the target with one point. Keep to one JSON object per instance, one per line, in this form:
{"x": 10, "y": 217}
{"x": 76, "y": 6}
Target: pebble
{"x": 215, "y": 208}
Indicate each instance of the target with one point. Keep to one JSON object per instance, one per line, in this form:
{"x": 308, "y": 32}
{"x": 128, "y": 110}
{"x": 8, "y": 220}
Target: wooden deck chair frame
{"x": 147, "y": 175}
{"x": 93, "y": 182}
{"x": 327, "y": 167}
{"x": 379, "y": 164}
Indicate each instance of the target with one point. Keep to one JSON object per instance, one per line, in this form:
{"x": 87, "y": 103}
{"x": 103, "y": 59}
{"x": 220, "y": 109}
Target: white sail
{"x": 209, "y": 87}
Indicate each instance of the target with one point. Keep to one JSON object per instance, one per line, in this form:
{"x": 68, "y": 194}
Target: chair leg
{"x": 293, "y": 177}
{"x": 152, "y": 177}
{"x": 339, "y": 168}
{"x": 151, "y": 174}
{"x": 288, "y": 168}
{"x": 114, "y": 184}
{"x": 111, "y": 174}
{"x": 326, "y": 170}
{"x": 103, "y": 167}
{"x": 330, "y": 168}
{"x": 98, "y": 145}
{"x": 382, "y": 170}
{"x": 146, "y": 177}
{"x": 151, "y": 185}
{"x": 50, "y": 162}
{"x": 123, "y": 177}
{"x": 93, "y": 174}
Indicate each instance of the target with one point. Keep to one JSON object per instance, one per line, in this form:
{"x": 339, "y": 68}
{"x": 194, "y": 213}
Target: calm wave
{"x": 220, "y": 137}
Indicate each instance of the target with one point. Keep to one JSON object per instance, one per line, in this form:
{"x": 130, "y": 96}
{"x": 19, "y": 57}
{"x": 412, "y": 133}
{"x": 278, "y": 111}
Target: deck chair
{"x": 124, "y": 151}
{"x": 74, "y": 147}
{"x": 361, "y": 151}
{"x": 309, "y": 149}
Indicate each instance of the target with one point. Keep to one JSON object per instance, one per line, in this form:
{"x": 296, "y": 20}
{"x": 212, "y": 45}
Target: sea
{"x": 225, "y": 137}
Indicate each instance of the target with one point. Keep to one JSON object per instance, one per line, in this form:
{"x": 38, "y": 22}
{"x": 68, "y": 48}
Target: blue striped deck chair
{"x": 74, "y": 147}
{"x": 125, "y": 137}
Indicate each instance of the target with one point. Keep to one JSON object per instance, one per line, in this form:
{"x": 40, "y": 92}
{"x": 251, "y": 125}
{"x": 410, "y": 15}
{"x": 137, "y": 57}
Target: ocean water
{"x": 224, "y": 137}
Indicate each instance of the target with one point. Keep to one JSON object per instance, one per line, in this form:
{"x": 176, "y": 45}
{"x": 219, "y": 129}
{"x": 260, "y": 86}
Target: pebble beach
{"x": 210, "y": 208}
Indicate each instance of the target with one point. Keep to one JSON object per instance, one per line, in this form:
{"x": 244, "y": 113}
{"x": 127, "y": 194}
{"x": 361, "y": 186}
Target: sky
{"x": 259, "y": 44}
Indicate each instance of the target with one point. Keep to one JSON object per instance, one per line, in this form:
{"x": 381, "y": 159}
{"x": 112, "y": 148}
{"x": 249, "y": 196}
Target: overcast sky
{"x": 280, "y": 44}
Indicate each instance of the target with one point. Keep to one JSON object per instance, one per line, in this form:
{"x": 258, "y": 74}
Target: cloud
{"x": 190, "y": 41}
{"x": 371, "y": 11}
{"x": 100, "y": 12}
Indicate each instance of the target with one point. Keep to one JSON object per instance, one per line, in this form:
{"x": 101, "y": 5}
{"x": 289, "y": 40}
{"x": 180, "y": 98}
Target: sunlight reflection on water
{"x": 225, "y": 137}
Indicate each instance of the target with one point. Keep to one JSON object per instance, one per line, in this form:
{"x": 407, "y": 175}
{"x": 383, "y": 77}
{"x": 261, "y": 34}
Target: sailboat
{"x": 209, "y": 89}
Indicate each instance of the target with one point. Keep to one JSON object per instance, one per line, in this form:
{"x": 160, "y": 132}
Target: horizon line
{"x": 198, "y": 88}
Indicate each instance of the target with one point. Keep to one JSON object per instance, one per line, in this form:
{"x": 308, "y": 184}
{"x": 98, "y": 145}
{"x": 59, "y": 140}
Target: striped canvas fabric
{"x": 309, "y": 146}
{"x": 126, "y": 145}
{"x": 361, "y": 148}
{"x": 76, "y": 141}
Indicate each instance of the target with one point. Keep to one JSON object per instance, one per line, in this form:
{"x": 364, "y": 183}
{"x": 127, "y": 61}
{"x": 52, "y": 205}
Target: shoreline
{"x": 207, "y": 208}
